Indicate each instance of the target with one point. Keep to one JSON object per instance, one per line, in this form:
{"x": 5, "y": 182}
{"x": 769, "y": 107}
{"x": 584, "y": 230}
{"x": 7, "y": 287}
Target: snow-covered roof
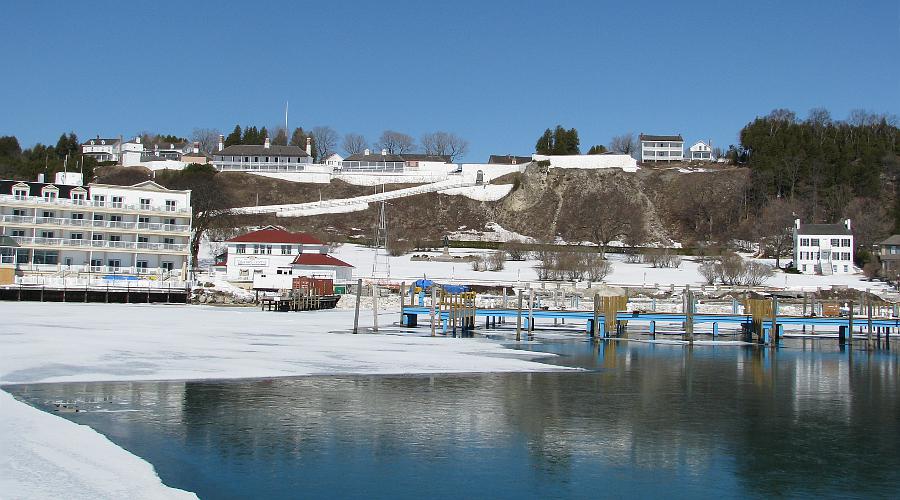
{"x": 623, "y": 161}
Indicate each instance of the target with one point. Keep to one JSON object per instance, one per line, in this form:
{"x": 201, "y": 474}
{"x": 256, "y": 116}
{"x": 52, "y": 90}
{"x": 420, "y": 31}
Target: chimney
{"x": 797, "y": 223}
{"x": 196, "y": 148}
{"x": 221, "y": 142}
{"x": 137, "y": 140}
{"x": 367, "y": 152}
{"x": 40, "y": 177}
{"x": 847, "y": 224}
{"x": 267, "y": 144}
{"x": 383, "y": 151}
{"x": 309, "y": 146}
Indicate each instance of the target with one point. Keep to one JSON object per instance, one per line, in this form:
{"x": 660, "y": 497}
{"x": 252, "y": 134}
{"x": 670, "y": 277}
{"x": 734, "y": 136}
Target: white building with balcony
{"x": 262, "y": 158}
{"x": 103, "y": 149}
{"x": 823, "y": 248}
{"x": 701, "y": 151}
{"x": 662, "y": 148}
{"x": 64, "y": 229}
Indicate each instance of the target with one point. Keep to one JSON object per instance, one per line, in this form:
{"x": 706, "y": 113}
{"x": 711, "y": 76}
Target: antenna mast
{"x": 382, "y": 266}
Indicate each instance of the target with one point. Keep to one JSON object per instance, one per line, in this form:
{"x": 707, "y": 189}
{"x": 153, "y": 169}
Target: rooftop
{"x": 260, "y": 150}
{"x": 648, "y": 137}
{"x": 824, "y": 229}
{"x": 319, "y": 259}
{"x": 508, "y": 159}
{"x": 893, "y": 240}
{"x": 273, "y": 234}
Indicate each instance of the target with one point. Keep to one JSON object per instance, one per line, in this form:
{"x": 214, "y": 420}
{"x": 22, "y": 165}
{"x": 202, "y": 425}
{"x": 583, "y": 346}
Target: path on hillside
{"x": 354, "y": 204}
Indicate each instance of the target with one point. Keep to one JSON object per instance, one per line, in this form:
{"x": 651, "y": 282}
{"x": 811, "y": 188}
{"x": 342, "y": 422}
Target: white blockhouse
{"x": 662, "y": 147}
{"x": 823, "y": 248}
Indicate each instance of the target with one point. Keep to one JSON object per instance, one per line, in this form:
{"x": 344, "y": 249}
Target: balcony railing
{"x": 87, "y": 223}
{"x": 67, "y": 202}
{"x": 87, "y": 244}
{"x": 260, "y": 166}
{"x": 372, "y": 166}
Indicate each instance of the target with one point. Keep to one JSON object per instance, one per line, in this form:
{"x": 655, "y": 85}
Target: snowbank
{"x": 49, "y": 457}
{"x": 590, "y": 162}
{"x": 486, "y": 192}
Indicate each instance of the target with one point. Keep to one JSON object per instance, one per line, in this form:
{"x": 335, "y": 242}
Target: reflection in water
{"x": 645, "y": 419}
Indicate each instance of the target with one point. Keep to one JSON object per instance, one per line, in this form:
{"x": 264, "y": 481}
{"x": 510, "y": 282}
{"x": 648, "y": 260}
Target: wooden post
{"x": 530, "y": 309}
{"x": 595, "y": 328}
{"x": 850, "y": 324}
{"x": 358, "y": 297}
{"x": 519, "y": 318}
{"x": 374, "y": 307}
{"x": 775, "y": 339}
{"x": 689, "y": 315}
{"x": 433, "y": 299}
{"x": 869, "y": 344}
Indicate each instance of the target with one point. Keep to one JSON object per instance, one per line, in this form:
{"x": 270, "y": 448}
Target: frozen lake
{"x": 643, "y": 420}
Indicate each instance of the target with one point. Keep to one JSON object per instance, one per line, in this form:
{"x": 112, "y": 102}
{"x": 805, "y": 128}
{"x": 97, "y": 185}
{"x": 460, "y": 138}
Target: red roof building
{"x": 318, "y": 259}
{"x": 276, "y": 235}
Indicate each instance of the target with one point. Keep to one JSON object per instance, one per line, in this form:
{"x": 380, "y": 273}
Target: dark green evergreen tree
{"x": 234, "y": 137}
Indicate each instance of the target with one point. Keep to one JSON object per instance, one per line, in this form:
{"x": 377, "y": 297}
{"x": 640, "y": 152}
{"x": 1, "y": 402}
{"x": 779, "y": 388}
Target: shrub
{"x": 662, "y": 258}
{"x": 496, "y": 261}
{"x": 399, "y": 247}
{"x": 515, "y": 250}
{"x": 597, "y": 268}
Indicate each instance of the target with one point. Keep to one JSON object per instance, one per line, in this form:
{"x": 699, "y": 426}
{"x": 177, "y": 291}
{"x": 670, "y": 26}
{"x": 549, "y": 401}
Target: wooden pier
{"x": 103, "y": 294}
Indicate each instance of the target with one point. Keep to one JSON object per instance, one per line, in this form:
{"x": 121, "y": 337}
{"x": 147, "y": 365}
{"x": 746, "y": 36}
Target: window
{"x": 46, "y": 257}
{"x": 96, "y": 263}
{"x": 269, "y": 249}
{"x": 804, "y": 242}
{"x": 145, "y": 203}
{"x": 170, "y": 205}
{"x": 47, "y": 214}
{"x": 835, "y": 242}
{"x": 20, "y": 193}
{"x": 814, "y": 242}
{"x": 99, "y": 200}
{"x": 257, "y": 249}
{"x": 18, "y": 212}
{"x": 170, "y": 222}
{"x": 169, "y": 241}
{"x": 98, "y": 216}
{"x": 141, "y": 265}
{"x": 825, "y": 254}
{"x": 114, "y": 264}
{"x": 285, "y": 249}
{"x": 97, "y": 237}
{"x": 804, "y": 268}
{"x": 142, "y": 239}
{"x": 79, "y": 198}
{"x": 845, "y": 242}
{"x": 167, "y": 266}
{"x": 143, "y": 220}
{"x": 115, "y": 218}
{"x": 118, "y": 201}
{"x": 115, "y": 237}
{"x": 46, "y": 234}
{"x": 77, "y": 216}
{"x": 846, "y": 255}
{"x": 49, "y": 194}
{"x": 76, "y": 236}
{"x": 846, "y": 269}
{"x": 18, "y": 232}
{"x": 240, "y": 249}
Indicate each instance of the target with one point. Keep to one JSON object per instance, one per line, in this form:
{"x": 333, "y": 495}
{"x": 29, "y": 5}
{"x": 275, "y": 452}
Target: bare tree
{"x": 279, "y": 136}
{"x": 611, "y": 215}
{"x": 326, "y": 140}
{"x": 818, "y": 117}
{"x": 207, "y": 137}
{"x": 354, "y": 144}
{"x": 869, "y": 221}
{"x": 445, "y": 144}
{"x": 396, "y": 143}
{"x": 626, "y": 144}
{"x": 774, "y": 227}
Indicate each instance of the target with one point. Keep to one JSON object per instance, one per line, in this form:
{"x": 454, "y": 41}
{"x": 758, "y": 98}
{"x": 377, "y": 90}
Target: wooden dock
{"x": 102, "y": 294}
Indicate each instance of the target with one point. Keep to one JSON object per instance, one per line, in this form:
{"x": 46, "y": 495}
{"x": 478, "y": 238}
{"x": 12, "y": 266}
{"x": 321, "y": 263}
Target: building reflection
{"x": 793, "y": 420}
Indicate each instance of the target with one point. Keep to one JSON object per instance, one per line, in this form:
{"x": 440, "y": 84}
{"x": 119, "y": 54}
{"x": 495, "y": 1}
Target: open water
{"x": 644, "y": 420}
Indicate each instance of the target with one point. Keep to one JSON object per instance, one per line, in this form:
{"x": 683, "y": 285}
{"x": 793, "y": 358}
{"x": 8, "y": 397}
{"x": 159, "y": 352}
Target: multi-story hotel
{"x": 66, "y": 229}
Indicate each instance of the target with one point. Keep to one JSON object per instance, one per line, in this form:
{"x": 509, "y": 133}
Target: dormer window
{"x": 79, "y": 197}
{"x": 50, "y": 193}
{"x": 20, "y": 193}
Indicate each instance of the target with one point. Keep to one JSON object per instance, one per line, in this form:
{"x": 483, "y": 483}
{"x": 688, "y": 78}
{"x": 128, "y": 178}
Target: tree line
{"x": 26, "y": 164}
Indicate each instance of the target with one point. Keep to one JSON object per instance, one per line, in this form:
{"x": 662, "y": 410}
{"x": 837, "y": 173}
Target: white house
{"x": 662, "y": 148}
{"x": 701, "y": 151}
{"x": 271, "y": 257}
{"x": 103, "y": 149}
{"x": 262, "y": 158}
{"x": 334, "y": 160}
{"x": 823, "y": 248}
{"x": 64, "y": 229}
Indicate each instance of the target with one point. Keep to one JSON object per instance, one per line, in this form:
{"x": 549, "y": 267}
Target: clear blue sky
{"x": 496, "y": 73}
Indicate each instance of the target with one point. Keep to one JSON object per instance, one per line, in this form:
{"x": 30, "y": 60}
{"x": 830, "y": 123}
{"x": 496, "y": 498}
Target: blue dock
{"x": 880, "y": 326}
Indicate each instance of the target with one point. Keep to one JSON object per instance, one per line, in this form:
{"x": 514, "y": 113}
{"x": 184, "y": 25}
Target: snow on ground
{"x": 492, "y": 232}
{"x": 46, "y": 456}
{"x": 623, "y": 273}
{"x": 49, "y": 457}
{"x": 485, "y": 192}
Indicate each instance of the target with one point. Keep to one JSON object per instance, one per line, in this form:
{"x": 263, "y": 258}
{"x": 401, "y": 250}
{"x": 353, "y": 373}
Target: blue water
{"x": 806, "y": 420}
